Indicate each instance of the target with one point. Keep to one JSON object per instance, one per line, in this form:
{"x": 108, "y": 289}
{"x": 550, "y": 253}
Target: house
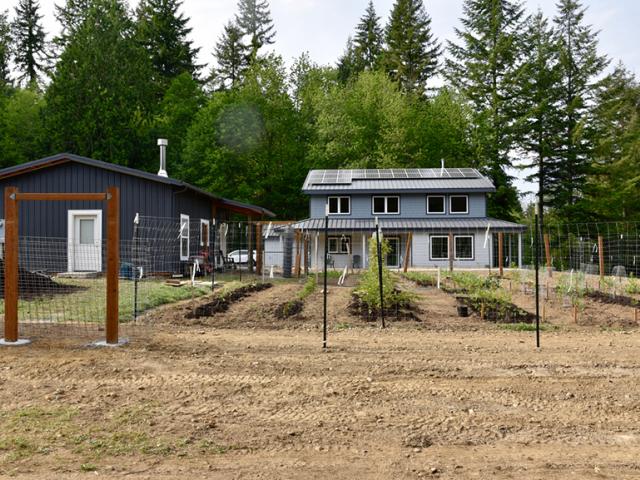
{"x": 420, "y": 211}
{"x": 77, "y": 228}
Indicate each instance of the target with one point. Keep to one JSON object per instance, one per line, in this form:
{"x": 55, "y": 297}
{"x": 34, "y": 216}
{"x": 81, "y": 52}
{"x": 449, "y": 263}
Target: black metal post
{"x": 380, "y": 273}
{"x": 537, "y": 267}
{"x": 326, "y": 253}
{"x": 212, "y": 252}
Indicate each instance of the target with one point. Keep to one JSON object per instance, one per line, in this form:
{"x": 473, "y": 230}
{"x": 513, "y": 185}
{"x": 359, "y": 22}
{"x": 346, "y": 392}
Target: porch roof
{"x": 415, "y": 224}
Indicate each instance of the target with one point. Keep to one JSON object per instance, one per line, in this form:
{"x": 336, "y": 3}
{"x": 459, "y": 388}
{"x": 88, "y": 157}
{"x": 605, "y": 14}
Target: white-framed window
{"x": 458, "y": 204}
{"x": 435, "y": 204}
{"x": 463, "y": 247}
{"x": 340, "y": 244}
{"x": 184, "y": 237}
{"x": 385, "y": 205}
{"x": 339, "y": 205}
{"x": 439, "y": 247}
{"x": 204, "y": 232}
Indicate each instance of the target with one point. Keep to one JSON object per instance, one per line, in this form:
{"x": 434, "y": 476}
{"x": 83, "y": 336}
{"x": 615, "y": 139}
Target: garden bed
{"x": 621, "y": 300}
{"x": 223, "y": 302}
{"x": 402, "y": 310}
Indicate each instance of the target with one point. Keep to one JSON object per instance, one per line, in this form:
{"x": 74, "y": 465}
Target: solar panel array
{"x": 338, "y": 177}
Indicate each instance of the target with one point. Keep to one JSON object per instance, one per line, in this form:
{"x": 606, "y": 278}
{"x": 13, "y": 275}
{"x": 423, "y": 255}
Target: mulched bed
{"x": 360, "y": 308}
{"x": 222, "y": 303}
{"x": 506, "y": 312}
{"x": 289, "y": 309}
{"x": 34, "y": 285}
{"x": 613, "y": 300}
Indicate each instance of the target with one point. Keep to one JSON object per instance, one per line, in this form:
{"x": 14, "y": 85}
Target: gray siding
{"x": 412, "y": 205}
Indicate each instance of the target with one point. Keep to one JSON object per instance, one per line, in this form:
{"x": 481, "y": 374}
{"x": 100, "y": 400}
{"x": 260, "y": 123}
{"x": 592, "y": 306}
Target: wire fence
{"x": 62, "y": 284}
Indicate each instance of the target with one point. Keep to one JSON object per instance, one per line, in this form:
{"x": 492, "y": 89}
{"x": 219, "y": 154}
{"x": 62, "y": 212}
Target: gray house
{"x": 77, "y": 228}
{"x": 425, "y": 208}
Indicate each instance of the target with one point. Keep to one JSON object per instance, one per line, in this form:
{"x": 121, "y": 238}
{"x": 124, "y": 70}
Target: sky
{"x": 321, "y": 27}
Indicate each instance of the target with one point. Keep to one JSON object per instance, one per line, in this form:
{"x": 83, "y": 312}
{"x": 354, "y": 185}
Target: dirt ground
{"x": 242, "y": 395}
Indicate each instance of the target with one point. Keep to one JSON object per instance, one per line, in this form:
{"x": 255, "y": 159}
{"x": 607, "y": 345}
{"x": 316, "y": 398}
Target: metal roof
{"x": 414, "y": 179}
{"x": 413, "y": 224}
{"x": 67, "y": 157}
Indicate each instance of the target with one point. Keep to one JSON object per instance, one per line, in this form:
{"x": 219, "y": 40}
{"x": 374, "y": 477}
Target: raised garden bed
{"x": 404, "y": 310}
{"x": 222, "y": 303}
{"x": 613, "y": 299}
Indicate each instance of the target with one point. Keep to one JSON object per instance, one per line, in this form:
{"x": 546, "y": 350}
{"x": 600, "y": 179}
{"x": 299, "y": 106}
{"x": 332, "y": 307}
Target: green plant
{"x": 633, "y": 286}
{"x": 421, "y": 278}
{"x": 522, "y": 327}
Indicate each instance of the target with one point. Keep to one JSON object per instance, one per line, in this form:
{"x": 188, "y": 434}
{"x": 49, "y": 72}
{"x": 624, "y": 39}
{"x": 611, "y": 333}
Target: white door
{"x": 85, "y": 240}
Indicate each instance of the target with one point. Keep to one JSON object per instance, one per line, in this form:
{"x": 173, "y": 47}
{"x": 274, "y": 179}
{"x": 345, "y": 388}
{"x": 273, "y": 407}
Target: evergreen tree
{"x": 482, "y": 67}
{"x": 21, "y": 128}
{"x": 29, "y": 52}
{"x": 231, "y": 58}
{"x": 163, "y": 31}
{"x": 611, "y": 190}
{"x": 411, "y": 55}
{"x": 579, "y": 65}
{"x": 254, "y": 20}
{"x": 537, "y": 96}
{"x": 349, "y": 63}
{"x": 70, "y": 16}
{"x": 5, "y": 51}
{"x": 99, "y": 100}
{"x": 368, "y": 38}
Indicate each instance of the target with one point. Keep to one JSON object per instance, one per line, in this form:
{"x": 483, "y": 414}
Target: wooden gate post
{"x": 296, "y": 268}
{"x": 259, "y": 261}
{"x": 11, "y": 265}
{"x": 501, "y": 253}
{"x": 113, "y": 263}
{"x": 601, "y": 255}
{"x": 547, "y": 253}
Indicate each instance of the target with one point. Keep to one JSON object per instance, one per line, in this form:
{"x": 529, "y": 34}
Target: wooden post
{"x": 547, "y": 253}
{"x": 259, "y": 259}
{"x": 296, "y": 267}
{"x": 407, "y": 252}
{"x": 113, "y": 263}
{"x": 450, "y": 252}
{"x": 601, "y": 256}
{"x": 250, "y": 244}
{"x": 306, "y": 254}
{"x": 11, "y": 265}
{"x": 501, "y": 253}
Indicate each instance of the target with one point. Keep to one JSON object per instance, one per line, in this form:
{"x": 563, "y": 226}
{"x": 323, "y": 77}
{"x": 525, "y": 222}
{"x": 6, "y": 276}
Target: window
{"x": 340, "y": 244}
{"x": 204, "y": 233}
{"x": 339, "y": 205}
{"x": 184, "y": 237}
{"x": 386, "y": 205}
{"x": 439, "y": 247}
{"x": 458, "y": 204}
{"x": 435, "y": 204}
{"x": 463, "y": 245}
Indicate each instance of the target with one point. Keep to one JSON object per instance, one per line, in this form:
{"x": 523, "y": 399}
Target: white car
{"x": 240, "y": 256}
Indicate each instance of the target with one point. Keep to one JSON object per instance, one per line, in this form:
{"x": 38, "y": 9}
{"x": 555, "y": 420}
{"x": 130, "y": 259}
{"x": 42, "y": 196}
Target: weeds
{"x": 421, "y": 278}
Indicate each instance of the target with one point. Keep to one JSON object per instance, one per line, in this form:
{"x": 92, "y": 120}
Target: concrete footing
{"x": 103, "y": 343}
{"x": 19, "y": 343}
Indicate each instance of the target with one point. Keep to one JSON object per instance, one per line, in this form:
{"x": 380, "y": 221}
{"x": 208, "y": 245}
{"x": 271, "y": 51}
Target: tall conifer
{"x": 231, "y": 58}
{"x": 369, "y": 38}
{"x": 254, "y": 20}
{"x": 29, "y": 52}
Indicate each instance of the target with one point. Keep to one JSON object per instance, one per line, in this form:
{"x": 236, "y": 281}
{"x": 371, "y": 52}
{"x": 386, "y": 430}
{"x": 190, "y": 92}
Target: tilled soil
{"x": 236, "y": 397}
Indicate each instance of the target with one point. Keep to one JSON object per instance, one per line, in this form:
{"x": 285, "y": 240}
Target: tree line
{"x": 514, "y": 89}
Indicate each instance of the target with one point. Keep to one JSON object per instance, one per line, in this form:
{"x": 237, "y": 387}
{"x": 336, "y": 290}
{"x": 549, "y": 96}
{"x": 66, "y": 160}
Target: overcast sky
{"x": 321, "y": 27}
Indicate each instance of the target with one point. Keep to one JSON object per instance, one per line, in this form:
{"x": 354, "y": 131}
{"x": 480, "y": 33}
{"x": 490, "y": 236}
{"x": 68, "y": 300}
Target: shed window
{"x": 463, "y": 245}
{"x": 386, "y": 205}
{"x": 341, "y": 244}
{"x": 435, "y": 204}
{"x": 339, "y": 205}
{"x": 439, "y": 247}
{"x": 184, "y": 237}
{"x": 204, "y": 233}
{"x": 458, "y": 204}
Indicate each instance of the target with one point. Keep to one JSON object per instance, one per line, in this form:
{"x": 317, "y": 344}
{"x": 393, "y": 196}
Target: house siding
{"x": 412, "y": 205}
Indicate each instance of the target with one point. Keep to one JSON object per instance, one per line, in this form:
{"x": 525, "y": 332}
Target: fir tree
{"x": 482, "y": 67}
{"x": 231, "y": 58}
{"x": 163, "y": 31}
{"x": 254, "y": 20}
{"x": 5, "y": 50}
{"x": 537, "y": 97}
{"x": 70, "y": 16}
{"x": 411, "y": 55}
{"x": 368, "y": 38}
{"x": 349, "y": 63}
{"x": 30, "y": 45}
{"x": 579, "y": 65}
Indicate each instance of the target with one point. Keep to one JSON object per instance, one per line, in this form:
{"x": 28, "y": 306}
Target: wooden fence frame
{"x": 12, "y": 197}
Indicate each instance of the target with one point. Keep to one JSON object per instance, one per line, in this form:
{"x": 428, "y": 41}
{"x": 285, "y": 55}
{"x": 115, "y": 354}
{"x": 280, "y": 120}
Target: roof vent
{"x": 162, "y": 143}
{"x": 442, "y": 167}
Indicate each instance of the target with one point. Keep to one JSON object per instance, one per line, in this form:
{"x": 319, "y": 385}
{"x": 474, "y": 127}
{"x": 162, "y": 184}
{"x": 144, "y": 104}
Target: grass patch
{"x": 421, "y": 278}
{"x": 523, "y": 327}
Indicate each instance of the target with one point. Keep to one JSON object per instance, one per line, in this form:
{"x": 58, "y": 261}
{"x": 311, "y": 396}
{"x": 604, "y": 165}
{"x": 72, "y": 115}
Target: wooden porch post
{"x": 501, "y": 253}
{"x": 519, "y": 249}
{"x": 11, "y": 265}
{"x": 259, "y": 248}
{"x": 306, "y": 254}
{"x": 407, "y": 252}
{"x": 113, "y": 263}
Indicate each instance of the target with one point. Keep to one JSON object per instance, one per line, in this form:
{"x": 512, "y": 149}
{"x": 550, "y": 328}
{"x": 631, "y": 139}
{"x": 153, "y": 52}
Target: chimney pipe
{"x": 162, "y": 143}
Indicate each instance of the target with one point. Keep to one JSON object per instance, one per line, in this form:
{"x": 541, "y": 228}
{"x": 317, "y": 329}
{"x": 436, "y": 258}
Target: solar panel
{"x": 346, "y": 176}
